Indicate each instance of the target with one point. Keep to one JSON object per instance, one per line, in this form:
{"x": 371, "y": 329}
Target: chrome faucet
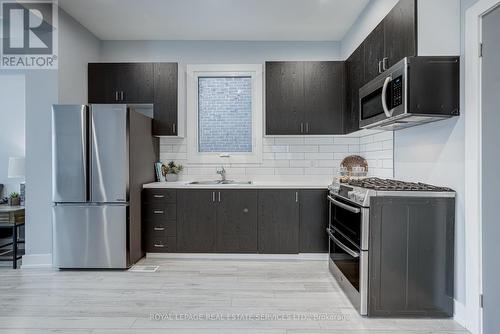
{"x": 222, "y": 172}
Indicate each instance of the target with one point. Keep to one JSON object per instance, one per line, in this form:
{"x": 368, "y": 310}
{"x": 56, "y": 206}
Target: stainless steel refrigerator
{"x": 101, "y": 156}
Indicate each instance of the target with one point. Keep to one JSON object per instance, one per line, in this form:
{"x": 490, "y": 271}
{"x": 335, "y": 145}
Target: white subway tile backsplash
{"x": 340, "y": 156}
{"x": 346, "y": 140}
{"x": 289, "y": 140}
{"x": 319, "y": 156}
{"x": 304, "y": 148}
{"x": 328, "y": 163}
{"x": 275, "y": 148}
{"x": 268, "y": 156}
{"x": 320, "y": 171}
{"x": 168, "y": 156}
{"x": 294, "y": 156}
{"x": 289, "y": 171}
{"x": 376, "y": 146}
{"x": 385, "y": 135}
{"x": 275, "y": 163}
{"x": 388, "y": 144}
{"x": 334, "y": 148}
{"x": 268, "y": 141}
{"x": 366, "y": 139}
{"x": 354, "y": 148}
{"x": 301, "y": 163}
{"x": 259, "y": 171}
{"x": 319, "y": 140}
{"x": 179, "y": 148}
{"x": 289, "y": 156}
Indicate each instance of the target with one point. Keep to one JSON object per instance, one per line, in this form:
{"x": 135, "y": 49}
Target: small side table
{"x": 12, "y": 217}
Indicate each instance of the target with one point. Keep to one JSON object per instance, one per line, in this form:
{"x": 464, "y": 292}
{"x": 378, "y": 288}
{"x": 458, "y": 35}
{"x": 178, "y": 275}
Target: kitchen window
{"x": 224, "y": 113}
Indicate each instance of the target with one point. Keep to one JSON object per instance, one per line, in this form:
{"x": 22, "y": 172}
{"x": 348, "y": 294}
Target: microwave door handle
{"x": 387, "y": 112}
{"x": 341, "y": 245}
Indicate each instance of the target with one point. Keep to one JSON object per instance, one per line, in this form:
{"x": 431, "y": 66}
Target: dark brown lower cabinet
{"x": 196, "y": 221}
{"x": 275, "y": 221}
{"x": 279, "y": 221}
{"x": 313, "y": 221}
{"x": 411, "y": 264}
{"x": 237, "y": 221}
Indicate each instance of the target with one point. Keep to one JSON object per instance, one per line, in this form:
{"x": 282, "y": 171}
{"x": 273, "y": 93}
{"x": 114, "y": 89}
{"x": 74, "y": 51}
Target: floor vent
{"x": 144, "y": 269}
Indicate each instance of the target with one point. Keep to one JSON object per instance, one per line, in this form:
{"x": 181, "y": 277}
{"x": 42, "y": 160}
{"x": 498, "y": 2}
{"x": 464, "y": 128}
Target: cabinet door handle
{"x": 173, "y": 128}
{"x": 158, "y": 212}
{"x": 384, "y": 64}
{"x": 159, "y": 228}
{"x": 297, "y": 197}
{"x": 219, "y": 196}
{"x": 301, "y": 127}
{"x": 379, "y": 67}
{"x": 159, "y": 245}
{"x": 307, "y": 127}
{"x": 213, "y": 196}
{"x": 121, "y": 95}
{"x": 116, "y": 96}
{"x": 158, "y": 196}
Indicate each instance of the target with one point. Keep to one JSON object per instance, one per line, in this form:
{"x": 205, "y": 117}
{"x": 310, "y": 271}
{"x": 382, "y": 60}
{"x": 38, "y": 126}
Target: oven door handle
{"x": 341, "y": 245}
{"x": 344, "y": 206}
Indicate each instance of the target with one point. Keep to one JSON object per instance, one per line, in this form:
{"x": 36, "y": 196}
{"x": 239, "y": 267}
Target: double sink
{"x": 209, "y": 182}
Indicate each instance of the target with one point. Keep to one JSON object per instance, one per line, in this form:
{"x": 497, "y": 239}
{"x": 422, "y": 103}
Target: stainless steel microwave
{"x": 414, "y": 91}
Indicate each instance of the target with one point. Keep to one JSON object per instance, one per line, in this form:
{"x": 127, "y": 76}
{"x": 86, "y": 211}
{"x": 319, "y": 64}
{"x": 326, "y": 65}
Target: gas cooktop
{"x": 361, "y": 190}
{"x": 394, "y": 185}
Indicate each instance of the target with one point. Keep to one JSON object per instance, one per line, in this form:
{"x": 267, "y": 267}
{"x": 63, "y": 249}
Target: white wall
{"x": 44, "y": 88}
{"x": 41, "y": 93}
{"x": 77, "y": 48}
{"x": 12, "y": 115}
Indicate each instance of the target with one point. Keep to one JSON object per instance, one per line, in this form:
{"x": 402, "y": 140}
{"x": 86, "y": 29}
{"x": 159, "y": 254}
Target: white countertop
{"x": 279, "y": 184}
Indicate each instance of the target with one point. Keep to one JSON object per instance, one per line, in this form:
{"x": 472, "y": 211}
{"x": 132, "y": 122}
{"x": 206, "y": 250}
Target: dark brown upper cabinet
{"x": 284, "y": 98}
{"x": 400, "y": 32}
{"x": 304, "y": 98}
{"x": 324, "y": 97}
{"x": 138, "y": 83}
{"x": 165, "y": 99}
{"x": 355, "y": 78}
{"x": 374, "y": 53}
{"x": 120, "y": 83}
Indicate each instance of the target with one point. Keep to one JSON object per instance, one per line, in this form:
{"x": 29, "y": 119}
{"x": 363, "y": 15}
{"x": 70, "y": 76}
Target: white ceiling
{"x": 242, "y": 20}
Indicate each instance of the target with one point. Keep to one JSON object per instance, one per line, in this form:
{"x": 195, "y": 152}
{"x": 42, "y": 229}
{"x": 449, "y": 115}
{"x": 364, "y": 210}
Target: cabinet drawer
{"x": 159, "y": 196}
{"x": 160, "y": 229}
{"x": 161, "y": 245}
{"x": 159, "y": 213}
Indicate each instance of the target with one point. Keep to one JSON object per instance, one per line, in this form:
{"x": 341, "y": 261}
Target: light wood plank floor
{"x": 191, "y": 296}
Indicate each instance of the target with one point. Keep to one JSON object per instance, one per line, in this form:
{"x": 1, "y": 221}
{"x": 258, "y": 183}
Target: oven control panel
{"x": 354, "y": 194}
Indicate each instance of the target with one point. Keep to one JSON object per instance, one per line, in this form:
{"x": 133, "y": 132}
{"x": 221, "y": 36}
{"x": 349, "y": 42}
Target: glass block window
{"x": 225, "y": 114}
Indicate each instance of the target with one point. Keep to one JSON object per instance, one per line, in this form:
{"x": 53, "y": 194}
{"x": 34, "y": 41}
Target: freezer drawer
{"x": 90, "y": 236}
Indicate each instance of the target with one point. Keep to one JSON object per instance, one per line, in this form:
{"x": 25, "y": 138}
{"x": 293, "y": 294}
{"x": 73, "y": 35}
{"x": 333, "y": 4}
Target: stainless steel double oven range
{"x": 348, "y": 232}
{"x": 349, "y": 229}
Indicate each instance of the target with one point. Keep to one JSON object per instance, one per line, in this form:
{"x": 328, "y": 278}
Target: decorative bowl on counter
{"x": 353, "y": 166}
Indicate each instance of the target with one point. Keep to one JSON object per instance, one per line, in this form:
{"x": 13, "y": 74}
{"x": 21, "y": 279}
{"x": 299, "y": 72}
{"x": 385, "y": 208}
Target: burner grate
{"x": 395, "y": 185}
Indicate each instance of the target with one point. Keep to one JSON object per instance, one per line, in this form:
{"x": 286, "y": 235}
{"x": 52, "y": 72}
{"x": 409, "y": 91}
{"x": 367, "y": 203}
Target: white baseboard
{"x": 37, "y": 261}
{"x": 460, "y": 313}
{"x": 212, "y": 256}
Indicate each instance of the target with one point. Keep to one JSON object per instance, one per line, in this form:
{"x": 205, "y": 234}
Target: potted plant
{"x": 171, "y": 171}
{"x": 14, "y": 199}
